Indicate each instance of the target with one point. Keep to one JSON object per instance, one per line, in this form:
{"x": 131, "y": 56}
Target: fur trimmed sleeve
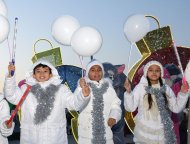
{"x": 176, "y": 104}
{"x": 74, "y": 101}
{"x": 131, "y": 100}
{"x": 11, "y": 91}
{"x": 4, "y": 116}
{"x": 115, "y": 111}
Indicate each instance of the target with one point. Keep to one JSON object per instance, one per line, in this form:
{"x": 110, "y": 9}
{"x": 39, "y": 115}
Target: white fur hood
{"x": 55, "y": 79}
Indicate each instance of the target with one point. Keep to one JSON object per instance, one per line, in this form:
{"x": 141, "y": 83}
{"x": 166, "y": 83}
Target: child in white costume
{"x": 103, "y": 109}
{"x": 5, "y": 130}
{"x": 43, "y": 119}
{"x": 154, "y": 100}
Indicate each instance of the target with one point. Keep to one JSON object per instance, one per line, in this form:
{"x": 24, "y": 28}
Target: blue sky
{"x": 107, "y": 16}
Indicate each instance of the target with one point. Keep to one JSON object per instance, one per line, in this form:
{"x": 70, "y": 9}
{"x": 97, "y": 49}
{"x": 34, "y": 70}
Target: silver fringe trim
{"x": 170, "y": 137}
{"x": 45, "y": 99}
{"x": 98, "y": 124}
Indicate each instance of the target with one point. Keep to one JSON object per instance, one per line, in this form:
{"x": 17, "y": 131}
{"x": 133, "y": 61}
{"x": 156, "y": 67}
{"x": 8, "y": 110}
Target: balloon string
{"x": 179, "y": 62}
{"x": 9, "y": 49}
{"x": 82, "y": 65}
{"x": 129, "y": 58}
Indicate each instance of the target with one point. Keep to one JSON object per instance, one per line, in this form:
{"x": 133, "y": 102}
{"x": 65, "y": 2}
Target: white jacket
{"x": 111, "y": 110}
{"x": 53, "y": 129}
{"x": 144, "y": 120}
{"x": 4, "y": 115}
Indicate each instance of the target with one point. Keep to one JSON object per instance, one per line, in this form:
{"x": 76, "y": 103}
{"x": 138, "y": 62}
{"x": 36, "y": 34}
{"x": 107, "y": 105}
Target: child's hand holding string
{"x": 11, "y": 67}
{"x": 127, "y": 86}
{"x": 85, "y": 87}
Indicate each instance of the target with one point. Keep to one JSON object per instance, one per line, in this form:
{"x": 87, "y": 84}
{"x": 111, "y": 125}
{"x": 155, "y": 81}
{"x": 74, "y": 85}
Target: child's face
{"x": 95, "y": 73}
{"x": 154, "y": 73}
{"x": 42, "y": 74}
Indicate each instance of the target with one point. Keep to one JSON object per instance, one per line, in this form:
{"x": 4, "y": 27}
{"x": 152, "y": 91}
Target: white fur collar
{"x": 100, "y": 82}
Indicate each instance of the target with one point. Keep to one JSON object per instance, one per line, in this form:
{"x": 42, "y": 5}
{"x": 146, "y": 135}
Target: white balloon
{"x": 136, "y": 27}
{"x": 4, "y": 28}
{"x": 3, "y": 8}
{"x": 63, "y": 29}
{"x": 86, "y": 41}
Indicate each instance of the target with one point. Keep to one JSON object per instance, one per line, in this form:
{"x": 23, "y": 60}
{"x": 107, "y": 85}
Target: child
{"x": 103, "y": 109}
{"x": 5, "y": 130}
{"x": 154, "y": 100}
{"x": 43, "y": 119}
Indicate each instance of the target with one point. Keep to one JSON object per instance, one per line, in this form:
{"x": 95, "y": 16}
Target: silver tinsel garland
{"x": 98, "y": 126}
{"x": 170, "y": 137}
{"x": 45, "y": 99}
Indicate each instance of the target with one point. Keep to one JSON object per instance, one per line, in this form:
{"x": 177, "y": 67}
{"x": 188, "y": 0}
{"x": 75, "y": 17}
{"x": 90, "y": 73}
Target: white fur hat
{"x": 153, "y": 63}
{"x": 92, "y": 63}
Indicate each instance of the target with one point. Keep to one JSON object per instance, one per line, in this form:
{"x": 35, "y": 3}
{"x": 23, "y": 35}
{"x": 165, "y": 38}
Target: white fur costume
{"x": 53, "y": 129}
{"x": 148, "y": 126}
{"x": 111, "y": 109}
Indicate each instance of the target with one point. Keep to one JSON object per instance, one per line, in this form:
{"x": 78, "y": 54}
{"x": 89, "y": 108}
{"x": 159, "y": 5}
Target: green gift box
{"x": 53, "y": 55}
{"x": 156, "y": 39}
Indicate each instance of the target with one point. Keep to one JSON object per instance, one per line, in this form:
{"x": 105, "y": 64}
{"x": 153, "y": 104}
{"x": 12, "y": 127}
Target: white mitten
{"x": 6, "y": 131}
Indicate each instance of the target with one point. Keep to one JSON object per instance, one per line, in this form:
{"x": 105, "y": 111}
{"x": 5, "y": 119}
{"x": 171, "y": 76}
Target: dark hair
{"x": 43, "y": 66}
{"x": 149, "y": 95}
